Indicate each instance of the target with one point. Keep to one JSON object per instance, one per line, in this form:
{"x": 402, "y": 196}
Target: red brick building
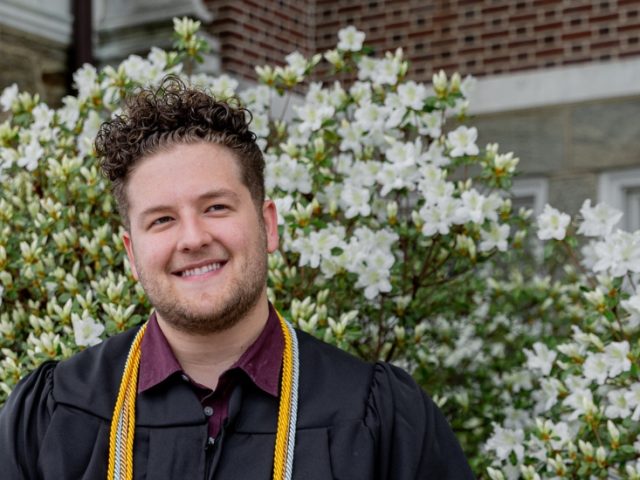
{"x": 479, "y": 37}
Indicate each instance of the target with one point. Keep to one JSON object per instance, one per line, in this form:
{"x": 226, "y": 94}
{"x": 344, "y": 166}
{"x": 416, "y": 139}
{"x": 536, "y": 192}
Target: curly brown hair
{"x": 174, "y": 113}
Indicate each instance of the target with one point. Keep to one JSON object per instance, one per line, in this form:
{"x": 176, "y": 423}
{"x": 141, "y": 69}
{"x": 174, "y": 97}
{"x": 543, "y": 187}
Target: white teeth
{"x": 200, "y": 270}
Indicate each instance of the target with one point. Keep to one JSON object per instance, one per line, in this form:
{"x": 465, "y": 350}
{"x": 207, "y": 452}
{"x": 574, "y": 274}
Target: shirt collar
{"x": 261, "y": 362}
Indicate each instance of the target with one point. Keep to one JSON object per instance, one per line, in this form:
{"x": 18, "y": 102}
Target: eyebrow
{"x": 210, "y": 195}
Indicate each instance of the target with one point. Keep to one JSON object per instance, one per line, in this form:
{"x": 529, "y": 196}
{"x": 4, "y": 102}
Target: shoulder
{"x": 334, "y": 385}
{"x": 332, "y": 368}
{"x": 24, "y": 420}
{"x": 32, "y": 391}
{"x": 412, "y": 430}
{"x": 90, "y": 379}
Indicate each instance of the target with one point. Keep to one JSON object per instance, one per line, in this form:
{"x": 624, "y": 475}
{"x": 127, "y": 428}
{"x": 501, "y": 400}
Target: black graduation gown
{"x": 356, "y": 421}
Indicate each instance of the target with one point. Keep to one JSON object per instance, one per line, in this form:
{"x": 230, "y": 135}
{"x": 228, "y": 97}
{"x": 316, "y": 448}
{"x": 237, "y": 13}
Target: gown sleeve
{"x": 414, "y": 439}
{"x": 23, "y": 423}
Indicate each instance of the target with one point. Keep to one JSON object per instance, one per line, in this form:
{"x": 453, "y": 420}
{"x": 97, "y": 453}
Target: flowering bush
{"x": 398, "y": 241}
{"x": 578, "y": 414}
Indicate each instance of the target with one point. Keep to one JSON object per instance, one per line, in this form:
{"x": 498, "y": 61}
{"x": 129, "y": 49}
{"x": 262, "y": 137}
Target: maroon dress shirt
{"x": 260, "y": 363}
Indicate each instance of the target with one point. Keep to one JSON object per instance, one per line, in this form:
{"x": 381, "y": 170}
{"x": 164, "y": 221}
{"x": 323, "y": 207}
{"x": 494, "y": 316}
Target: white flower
{"x": 89, "y": 130}
{"x": 350, "y": 39}
{"x": 596, "y": 368}
{"x": 42, "y": 117}
{"x": 387, "y": 70}
{"x": 355, "y": 201}
{"x": 438, "y": 218}
{"x": 547, "y": 396}
{"x": 430, "y": 124}
{"x": 9, "y": 95}
{"x": 598, "y": 221}
{"x": 297, "y": 62}
{"x": 412, "y": 95}
{"x": 361, "y": 92}
{"x": 435, "y": 155}
{"x": 70, "y": 113}
{"x": 137, "y": 68}
{"x": 619, "y": 253}
{"x": 85, "y": 80}
{"x": 552, "y": 224}
{"x": 632, "y": 397}
{"x": 468, "y": 85}
{"x": 470, "y": 209}
{"x": 363, "y": 173}
{"x": 223, "y": 86}
{"x": 616, "y": 357}
{"x": 370, "y": 116}
{"x": 619, "y": 406}
{"x": 541, "y": 358}
{"x": 260, "y": 124}
{"x": 462, "y": 141}
{"x": 589, "y": 255}
{"x": 31, "y": 154}
{"x": 86, "y": 330}
{"x": 158, "y": 58}
{"x": 305, "y": 247}
{"x": 580, "y": 400}
{"x": 396, "y": 177}
{"x": 366, "y": 68}
{"x": 495, "y": 237}
{"x": 351, "y": 137}
{"x": 632, "y": 304}
{"x": 257, "y": 98}
{"x": 374, "y": 281}
{"x": 397, "y": 111}
{"x": 505, "y": 441}
{"x": 287, "y": 174}
{"x": 283, "y": 207}
{"x": 312, "y": 116}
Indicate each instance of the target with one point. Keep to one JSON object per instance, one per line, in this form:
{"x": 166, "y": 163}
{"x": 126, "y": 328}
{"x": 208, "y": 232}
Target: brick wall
{"x": 256, "y": 32}
{"x": 476, "y": 37}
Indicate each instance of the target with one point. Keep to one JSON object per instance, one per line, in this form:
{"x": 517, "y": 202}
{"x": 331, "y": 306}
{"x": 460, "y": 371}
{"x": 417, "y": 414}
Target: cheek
{"x": 152, "y": 255}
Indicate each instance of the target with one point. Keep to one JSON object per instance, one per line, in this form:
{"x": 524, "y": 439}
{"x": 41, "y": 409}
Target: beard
{"x": 241, "y": 295}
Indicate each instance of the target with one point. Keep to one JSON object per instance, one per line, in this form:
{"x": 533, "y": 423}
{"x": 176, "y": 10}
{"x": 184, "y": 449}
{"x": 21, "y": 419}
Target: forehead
{"x": 183, "y": 170}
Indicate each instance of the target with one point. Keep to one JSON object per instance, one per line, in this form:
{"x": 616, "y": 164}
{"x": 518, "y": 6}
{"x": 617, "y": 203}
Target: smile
{"x": 192, "y": 272}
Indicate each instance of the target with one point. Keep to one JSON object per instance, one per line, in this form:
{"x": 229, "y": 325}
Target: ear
{"x": 128, "y": 246}
{"x": 270, "y": 217}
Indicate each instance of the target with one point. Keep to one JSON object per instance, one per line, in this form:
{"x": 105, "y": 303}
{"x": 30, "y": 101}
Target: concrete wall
{"x": 570, "y": 145}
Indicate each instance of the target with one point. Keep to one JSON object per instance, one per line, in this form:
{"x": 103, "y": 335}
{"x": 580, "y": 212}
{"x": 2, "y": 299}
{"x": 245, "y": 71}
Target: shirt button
{"x": 208, "y": 411}
{"x": 211, "y": 441}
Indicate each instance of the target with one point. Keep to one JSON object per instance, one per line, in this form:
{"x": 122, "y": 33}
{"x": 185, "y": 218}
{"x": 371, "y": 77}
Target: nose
{"x": 193, "y": 234}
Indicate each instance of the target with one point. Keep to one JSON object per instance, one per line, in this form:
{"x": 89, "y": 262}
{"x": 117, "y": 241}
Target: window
{"x": 532, "y": 193}
{"x": 621, "y": 189}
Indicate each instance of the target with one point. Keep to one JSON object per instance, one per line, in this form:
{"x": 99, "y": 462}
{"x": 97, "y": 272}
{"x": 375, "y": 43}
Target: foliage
{"x": 398, "y": 243}
{"x": 577, "y": 415}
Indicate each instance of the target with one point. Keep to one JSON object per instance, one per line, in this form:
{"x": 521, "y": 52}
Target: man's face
{"x": 197, "y": 243}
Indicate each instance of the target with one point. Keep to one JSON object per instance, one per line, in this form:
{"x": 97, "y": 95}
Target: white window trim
{"x": 612, "y": 186}
{"x": 538, "y": 188}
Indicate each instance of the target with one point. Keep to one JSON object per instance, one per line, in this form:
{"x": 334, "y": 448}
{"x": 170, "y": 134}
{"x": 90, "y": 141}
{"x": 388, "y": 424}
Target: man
{"x": 216, "y": 384}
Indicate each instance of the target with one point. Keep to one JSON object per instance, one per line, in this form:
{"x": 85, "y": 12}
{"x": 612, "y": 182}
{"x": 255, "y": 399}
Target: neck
{"x": 205, "y": 357}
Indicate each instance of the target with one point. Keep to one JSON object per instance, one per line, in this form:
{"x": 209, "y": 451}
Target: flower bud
{"x": 440, "y": 83}
{"x": 614, "y": 433}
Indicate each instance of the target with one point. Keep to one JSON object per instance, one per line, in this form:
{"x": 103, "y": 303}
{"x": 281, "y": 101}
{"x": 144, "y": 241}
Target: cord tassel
{"x": 123, "y": 421}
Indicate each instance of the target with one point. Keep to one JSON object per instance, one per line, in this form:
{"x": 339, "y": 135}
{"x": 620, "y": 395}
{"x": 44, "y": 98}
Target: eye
{"x": 161, "y": 220}
{"x": 218, "y": 207}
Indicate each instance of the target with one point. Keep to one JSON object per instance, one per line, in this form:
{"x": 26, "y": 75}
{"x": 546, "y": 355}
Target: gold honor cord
{"x": 123, "y": 420}
{"x": 124, "y": 414}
